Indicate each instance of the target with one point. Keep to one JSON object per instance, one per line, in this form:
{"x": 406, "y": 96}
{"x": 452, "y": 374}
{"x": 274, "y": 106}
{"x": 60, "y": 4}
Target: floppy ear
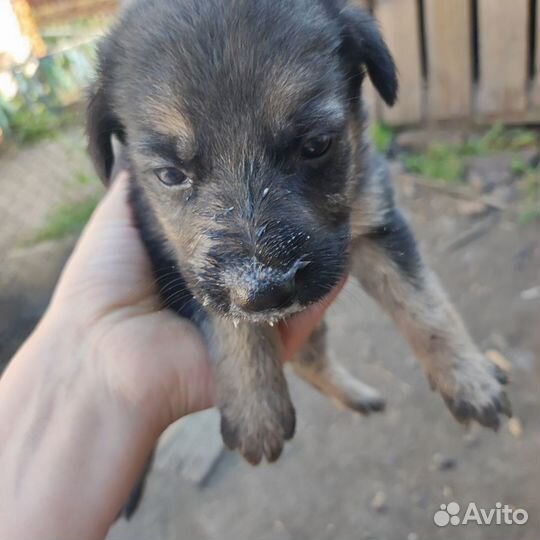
{"x": 364, "y": 45}
{"x": 101, "y": 124}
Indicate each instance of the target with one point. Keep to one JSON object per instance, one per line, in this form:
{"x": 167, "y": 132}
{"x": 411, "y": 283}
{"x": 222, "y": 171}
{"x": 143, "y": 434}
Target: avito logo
{"x": 449, "y": 514}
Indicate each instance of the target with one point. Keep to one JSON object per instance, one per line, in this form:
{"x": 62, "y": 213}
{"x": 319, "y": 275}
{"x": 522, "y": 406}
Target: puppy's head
{"x": 242, "y": 120}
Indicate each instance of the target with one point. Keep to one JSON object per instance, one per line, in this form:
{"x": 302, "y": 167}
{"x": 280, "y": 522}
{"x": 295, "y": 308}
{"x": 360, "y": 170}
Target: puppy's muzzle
{"x": 262, "y": 289}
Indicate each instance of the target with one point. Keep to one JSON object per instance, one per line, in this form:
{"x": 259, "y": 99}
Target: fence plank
{"x": 536, "y": 88}
{"x": 399, "y": 21}
{"x": 448, "y": 37}
{"x": 49, "y": 12}
{"x": 503, "y": 31}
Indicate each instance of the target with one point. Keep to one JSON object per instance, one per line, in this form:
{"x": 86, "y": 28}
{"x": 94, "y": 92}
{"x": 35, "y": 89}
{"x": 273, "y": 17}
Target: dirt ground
{"x": 383, "y": 477}
{"x": 348, "y": 477}
{"x": 38, "y": 178}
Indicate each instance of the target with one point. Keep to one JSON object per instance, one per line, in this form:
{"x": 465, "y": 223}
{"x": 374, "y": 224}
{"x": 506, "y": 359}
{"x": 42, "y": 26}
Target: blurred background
{"x": 463, "y": 143}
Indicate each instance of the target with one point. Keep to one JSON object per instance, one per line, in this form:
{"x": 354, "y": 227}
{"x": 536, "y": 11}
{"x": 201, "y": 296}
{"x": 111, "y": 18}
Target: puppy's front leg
{"x": 257, "y": 415}
{"x": 387, "y": 264}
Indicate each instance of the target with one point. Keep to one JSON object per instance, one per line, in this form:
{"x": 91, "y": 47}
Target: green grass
{"x": 30, "y": 126}
{"x": 498, "y": 139}
{"x": 382, "y": 136}
{"x": 439, "y": 162}
{"x": 42, "y": 103}
{"x": 519, "y": 166}
{"x": 85, "y": 179}
{"x": 529, "y": 187}
{"x": 66, "y": 220}
{"x": 446, "y": 162}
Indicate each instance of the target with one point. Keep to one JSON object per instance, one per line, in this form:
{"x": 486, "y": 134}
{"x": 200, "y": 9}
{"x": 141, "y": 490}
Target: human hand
{"x": 84, "y": 401}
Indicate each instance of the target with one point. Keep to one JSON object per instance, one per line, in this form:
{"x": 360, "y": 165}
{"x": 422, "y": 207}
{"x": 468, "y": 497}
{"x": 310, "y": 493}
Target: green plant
{"x": 529, "y": 187}
{"x": 44, "y": 89}
{"x": 84, "y": 178}
{"x": 382, "y": 137}
{"x": 518, "y": 165}
{"x": 447, "y": 162}
{"x": 440, "y": 162}
{"x": 66, "y": 220}
{"x": 31, "y": 124}
{"x": 499, "y": 138}
{"x": 489, "y": 141}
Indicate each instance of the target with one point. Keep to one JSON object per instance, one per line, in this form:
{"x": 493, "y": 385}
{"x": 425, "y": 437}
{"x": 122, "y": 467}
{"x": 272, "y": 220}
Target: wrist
{"x": 69, "y": 449}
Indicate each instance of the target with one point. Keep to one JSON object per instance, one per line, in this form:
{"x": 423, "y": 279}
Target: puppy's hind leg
{"x": 328, "y": 376}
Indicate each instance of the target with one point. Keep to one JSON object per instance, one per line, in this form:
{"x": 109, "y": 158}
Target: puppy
{"x": 256, "y": 190}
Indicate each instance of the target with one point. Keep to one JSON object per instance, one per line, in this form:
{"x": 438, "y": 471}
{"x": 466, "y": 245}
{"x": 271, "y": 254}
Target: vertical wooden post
{"x": 400, "y": 25}
{"x": 23, "y": 12}
{"x": 503, "y": 32}
{"x": 536, "y": 88}
{"x": 449, "y": 54}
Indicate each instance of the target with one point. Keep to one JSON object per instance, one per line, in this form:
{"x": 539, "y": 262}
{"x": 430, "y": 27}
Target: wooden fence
{"x": 47, "y": 12}
{"x": 473, "y": 60}
{"x": 462, "y": 59}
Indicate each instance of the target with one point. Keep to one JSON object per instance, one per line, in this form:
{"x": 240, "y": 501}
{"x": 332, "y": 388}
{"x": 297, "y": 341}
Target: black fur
{"x": 228, "y": 91}
{"x": 250, "y": 79}
{"x": 101, "y": 125}
{"x": 174, "y": 292}
{"x": 363, "y": 41}
{"x": 397, "y": 240}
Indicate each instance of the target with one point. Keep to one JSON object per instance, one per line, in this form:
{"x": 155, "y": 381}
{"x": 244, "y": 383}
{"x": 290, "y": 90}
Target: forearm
{"x": 68, "y": 457}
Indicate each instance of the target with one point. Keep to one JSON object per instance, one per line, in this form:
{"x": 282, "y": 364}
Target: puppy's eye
{"x": 170, "y": 176}
{"x": 316, "y": 147}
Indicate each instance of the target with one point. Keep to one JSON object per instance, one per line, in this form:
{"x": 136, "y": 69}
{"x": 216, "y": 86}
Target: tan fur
{"x": 252, "y": 393}
{"x": 257, "y": 415}
{"x": 167, "y": 119}
{"x": 432, "y": 327}
{"x": 328, "y": 376}
{"x": 434, "y": 330}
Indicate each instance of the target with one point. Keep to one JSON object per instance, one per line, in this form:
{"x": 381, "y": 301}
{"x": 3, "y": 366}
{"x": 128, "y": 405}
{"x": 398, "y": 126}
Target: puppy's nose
{"x": 263, "y": 289}
{"x": 265, "y": 296}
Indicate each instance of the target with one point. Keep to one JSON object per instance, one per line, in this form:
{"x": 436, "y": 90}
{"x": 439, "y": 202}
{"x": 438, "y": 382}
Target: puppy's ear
{"x": 101, "y": 124}
{"x": 363, "y": 44}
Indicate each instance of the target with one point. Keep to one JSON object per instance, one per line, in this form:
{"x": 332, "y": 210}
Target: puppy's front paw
{"x": 473, "y": 390}
{"x": 258, "y": 429}
{"x": 362, "y": 398}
